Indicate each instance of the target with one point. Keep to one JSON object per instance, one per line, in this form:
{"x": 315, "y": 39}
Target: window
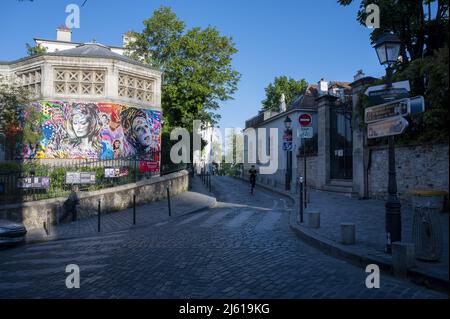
{"x": 136, "y": 88}
{"x": 31, "y": 80}
{"x": 79, "y": 82}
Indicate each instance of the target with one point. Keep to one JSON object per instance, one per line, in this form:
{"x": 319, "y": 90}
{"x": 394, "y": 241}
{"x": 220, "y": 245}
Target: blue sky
{"x": 297, "y": 38}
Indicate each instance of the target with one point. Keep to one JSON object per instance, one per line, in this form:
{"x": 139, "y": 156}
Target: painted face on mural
{"x": 81, "y": 125}
{"x": 142, "y": 130}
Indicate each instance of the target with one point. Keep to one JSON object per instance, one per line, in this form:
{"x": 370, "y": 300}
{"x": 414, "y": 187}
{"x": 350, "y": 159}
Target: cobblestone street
{"x": 242, "y": 248}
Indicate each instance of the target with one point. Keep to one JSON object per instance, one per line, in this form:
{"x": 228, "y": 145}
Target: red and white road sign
{"x": 305, "y": 119}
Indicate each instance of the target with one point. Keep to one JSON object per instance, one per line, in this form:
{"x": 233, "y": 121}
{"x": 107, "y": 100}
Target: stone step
{"x": 344, "y": 190}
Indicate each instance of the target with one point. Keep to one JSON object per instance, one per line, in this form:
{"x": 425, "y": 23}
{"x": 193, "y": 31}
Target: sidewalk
{"x": 149, "y": 214}
{"x": 369, "y": 218}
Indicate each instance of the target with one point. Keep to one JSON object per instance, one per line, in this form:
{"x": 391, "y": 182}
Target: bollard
{"x": 301, "y": 202}
{"x": 48, "y": 223}
{"x": 313, "y": 219}
{"x": 168, "y": 201}
{"x": 348, "y": 236}
{"x": 134, "y": 209}
{"x": 98, "y": 215}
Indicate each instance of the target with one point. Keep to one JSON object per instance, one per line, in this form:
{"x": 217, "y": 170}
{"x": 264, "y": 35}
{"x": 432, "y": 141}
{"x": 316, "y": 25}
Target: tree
{"x": 282, "y": 85}
{"x": 197, "y": 66}
{"x": 19, "y": 120}
{"x": 35, "y": 50}
{"x": 412, "y": 21}
{"x": 424, "y": 60}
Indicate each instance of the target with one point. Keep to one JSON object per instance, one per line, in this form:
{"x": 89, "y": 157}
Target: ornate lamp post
{"x": 288, "y": 139}
{"x": 388, "y": 48}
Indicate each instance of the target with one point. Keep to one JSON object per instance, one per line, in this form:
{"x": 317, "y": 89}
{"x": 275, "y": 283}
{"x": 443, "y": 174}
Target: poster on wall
{"x": 33, "y": 182}
{"x": 115, "y": 172}
{"x": 96, "y": 131}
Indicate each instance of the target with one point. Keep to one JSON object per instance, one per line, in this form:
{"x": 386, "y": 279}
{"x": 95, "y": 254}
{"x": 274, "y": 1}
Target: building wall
{"x": 423, "y": 166}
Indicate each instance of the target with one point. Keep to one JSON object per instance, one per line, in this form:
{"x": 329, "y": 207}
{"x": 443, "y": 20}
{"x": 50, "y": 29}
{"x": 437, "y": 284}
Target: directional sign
{"x": 400, "y": 107}
{"x": 305, "y": 119}
{"x": 396, "y": 85}
{"x": 387, "y": 110}
{"x": 387, "y": 95}
{"x": 305, "y": 132}
{"x": 393, "y": 126}
{"x": 416, "y": 105}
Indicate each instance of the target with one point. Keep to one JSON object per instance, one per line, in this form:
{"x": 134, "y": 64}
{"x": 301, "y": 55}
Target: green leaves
{"x": 282, "y": 85}
{"x": 197, "y": 66}
{"x": 35, "y": 50}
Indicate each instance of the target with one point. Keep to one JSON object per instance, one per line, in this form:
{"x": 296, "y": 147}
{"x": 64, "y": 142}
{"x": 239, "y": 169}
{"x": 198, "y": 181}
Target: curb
{"x": 340, "y": 251}
{"x": 212, "y": 202}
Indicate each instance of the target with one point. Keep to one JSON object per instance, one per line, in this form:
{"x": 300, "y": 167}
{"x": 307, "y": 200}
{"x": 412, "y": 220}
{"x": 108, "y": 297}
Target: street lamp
{"x": 388, "y": 49}
{"x": 288, "y": 139}
{"x": 288, "y": 123}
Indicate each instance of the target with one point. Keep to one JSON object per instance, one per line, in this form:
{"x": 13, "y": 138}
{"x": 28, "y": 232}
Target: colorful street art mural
{"x": 96, "y": 131}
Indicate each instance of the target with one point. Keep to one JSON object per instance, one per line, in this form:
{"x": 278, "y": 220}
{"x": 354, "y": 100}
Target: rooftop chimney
{"x": 64, "y": 34}
{"x": 322, "y": 87}
{"x": 359, "y": 75}
{"x": 128, "y": 38}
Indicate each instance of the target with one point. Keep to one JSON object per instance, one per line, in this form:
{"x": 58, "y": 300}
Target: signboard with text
{"x": 400, "y": 107}
{"x": 115, "y": 172}
{"x": 389, "y": 127}
{"x": 80, "y": 178}
{"x": 306, "y": 132}
{"x": 33, "y": 182}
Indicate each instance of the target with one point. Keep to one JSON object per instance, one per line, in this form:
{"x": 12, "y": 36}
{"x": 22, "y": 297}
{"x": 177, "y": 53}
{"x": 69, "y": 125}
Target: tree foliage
{"x": 424, "y": 60}
{"x": 15, "y": 107}
{"x": 197, "y": 66}
{"x": 282, "y": 85}
{"x": 35, "y": 50}
{"x": 413, "y": 22}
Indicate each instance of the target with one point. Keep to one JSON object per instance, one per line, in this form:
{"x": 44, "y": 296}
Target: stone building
{"x": 339, "y": 158}
{"x": 93, "y": 103}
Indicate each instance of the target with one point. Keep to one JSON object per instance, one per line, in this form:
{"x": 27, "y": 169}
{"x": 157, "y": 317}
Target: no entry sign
{"x": 305, "y": 119}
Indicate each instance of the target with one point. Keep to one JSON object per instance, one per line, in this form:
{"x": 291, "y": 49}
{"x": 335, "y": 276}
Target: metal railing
{"x": 108, "y": 173}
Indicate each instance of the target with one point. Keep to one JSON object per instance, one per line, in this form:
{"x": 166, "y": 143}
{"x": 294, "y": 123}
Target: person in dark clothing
{"x": 252, "y": 172}
{"x": 71, "y": 203}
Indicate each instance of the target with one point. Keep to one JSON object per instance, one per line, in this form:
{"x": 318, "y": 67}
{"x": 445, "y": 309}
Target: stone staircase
{"x": 342, "y": 187}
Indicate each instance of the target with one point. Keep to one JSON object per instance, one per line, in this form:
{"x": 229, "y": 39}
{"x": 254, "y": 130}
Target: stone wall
{"x": 34, "y": 214}
{"x": 423, "y": 166}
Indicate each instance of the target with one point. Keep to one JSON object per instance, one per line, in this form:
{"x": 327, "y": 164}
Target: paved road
{"x": 243, "y": 248}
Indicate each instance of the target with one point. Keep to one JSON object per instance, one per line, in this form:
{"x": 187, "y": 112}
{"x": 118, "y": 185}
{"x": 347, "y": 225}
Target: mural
{"x": 96, "y": 131}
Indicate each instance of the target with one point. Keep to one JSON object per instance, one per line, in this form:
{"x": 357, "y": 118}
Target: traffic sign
{"x": 305, "y": 132}
{"x": 395, "y": 108}
{"x": 305, "y": 119}
{"x": 389, "y": 127}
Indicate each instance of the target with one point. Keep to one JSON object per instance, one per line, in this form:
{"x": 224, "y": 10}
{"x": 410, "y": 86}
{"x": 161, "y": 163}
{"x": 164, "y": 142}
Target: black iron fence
{"x": 22, "y": 181}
